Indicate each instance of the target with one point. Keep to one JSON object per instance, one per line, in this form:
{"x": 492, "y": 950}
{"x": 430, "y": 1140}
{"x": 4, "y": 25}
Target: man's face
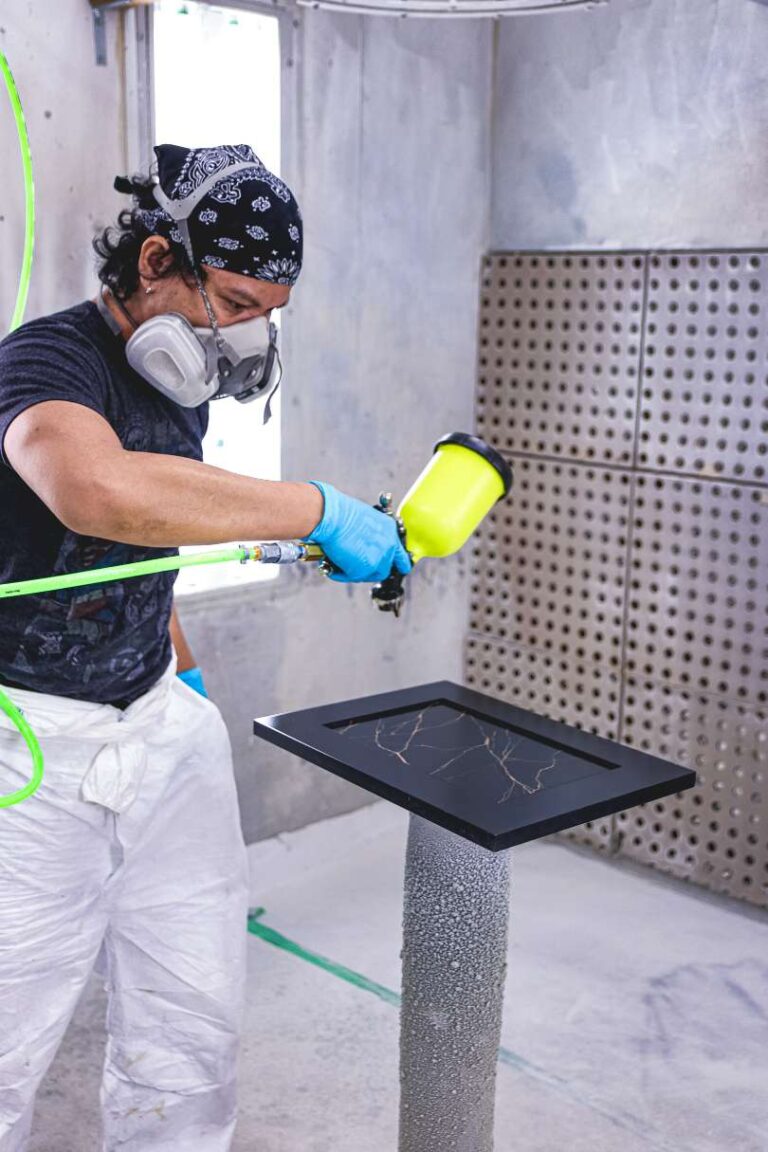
{"x": 233, "y": 297}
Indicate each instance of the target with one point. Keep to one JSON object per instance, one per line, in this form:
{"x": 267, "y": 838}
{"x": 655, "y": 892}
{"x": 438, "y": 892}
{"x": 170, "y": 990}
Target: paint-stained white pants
{"x": 151, "y": 872}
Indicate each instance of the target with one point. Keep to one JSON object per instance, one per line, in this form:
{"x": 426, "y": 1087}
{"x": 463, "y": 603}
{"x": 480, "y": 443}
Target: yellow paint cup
{"x": 453, "y": 495}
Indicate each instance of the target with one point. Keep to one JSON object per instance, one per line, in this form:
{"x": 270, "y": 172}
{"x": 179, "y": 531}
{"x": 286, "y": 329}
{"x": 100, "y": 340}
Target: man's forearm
{"x": 166, "y": 501}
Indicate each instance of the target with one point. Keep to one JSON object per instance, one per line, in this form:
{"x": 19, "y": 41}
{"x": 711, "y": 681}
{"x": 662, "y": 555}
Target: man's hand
{"x": 361, "y": 541}
{"x": 194, "y": 678}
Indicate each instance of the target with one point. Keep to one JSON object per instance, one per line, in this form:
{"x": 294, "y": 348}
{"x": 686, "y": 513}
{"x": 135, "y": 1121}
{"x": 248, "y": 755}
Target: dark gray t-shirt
{"x": 107, "y": 643}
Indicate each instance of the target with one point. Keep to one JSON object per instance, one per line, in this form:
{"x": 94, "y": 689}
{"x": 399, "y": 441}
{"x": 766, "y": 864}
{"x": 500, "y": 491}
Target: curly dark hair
{"x": 118, "y": 246}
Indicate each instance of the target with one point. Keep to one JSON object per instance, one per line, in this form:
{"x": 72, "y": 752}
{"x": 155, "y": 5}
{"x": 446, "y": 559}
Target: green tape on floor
{"x": 626, "y": 1122}
{"x": 280, "y": 941}
{"x": 359, "y": 981}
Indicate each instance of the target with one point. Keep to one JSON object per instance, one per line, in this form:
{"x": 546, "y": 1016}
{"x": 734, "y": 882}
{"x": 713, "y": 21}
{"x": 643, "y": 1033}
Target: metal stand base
{"x": 455, "y": 918}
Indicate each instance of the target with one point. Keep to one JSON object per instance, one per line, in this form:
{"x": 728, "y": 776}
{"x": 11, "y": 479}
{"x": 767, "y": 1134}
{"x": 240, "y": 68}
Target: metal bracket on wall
{"x": 100, "y": 7}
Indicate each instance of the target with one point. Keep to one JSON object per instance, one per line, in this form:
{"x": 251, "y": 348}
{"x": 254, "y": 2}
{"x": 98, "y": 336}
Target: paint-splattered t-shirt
{"x": 107, "y": 643}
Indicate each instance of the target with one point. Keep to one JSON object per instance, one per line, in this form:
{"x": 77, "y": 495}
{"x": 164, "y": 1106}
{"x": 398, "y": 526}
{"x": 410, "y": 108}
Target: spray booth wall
{"x": 623, "y": 587}
{"x": 379, "y": 341}
{"x": 380, "y": 362}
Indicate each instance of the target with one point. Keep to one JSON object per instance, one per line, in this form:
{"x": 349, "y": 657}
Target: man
{"x": 131, "y": 850}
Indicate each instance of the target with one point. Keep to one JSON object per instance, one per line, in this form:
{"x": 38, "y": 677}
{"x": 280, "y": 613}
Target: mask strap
{"x": 101, "y": 304}
{"x": 105, "y": 313}
{"x": 268, "y": 405}
{"x": 181, "y": 210}
{"x": 187, "y": 239}
{"x": 208, "y": 308}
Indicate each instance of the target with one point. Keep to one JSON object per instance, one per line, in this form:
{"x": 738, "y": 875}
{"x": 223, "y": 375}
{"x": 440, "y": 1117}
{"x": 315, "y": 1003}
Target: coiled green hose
{"x": 286, "y": 552}
{"x": 29, "y": 193}
{"x": 36, "y": 780}
{"x": 6, "y": 704}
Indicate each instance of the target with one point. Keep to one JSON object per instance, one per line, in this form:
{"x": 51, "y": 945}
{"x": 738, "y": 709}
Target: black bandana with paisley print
{"x": 248, "y": 222}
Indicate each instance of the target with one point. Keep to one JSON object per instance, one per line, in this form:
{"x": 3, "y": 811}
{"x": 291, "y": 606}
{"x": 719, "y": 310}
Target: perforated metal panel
{"x": 699, "y": 586}
{"x": 715, "y": 833}
{"x": 623, "y": 587}
{"x": 581, "y": 694}
{"x": 704, "y": 365}
{"x": 550, "y": 562}
{"x": 559, "y": 347}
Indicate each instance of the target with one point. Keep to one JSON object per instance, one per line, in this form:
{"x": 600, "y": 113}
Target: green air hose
{"x": 34, "y": 783}
{"x": 280, "y": 552}
{"x": 29, "y": 193}
{"x": 18, "y": 312}
{"x": 73, "y": 580}
{"x": 120, "y": 572}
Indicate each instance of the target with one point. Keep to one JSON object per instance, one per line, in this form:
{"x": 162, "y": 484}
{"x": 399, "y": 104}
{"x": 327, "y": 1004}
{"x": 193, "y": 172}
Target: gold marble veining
{"x": 453, "y": 744}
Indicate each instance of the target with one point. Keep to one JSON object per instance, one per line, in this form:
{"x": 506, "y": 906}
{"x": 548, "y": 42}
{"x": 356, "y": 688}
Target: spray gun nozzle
{"x": 390, "y": 593}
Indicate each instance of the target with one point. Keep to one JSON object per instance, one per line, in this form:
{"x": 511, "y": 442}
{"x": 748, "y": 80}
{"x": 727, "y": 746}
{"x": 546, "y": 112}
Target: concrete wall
{"x": 391, "y": 168}
{"x": 76, "y": 154}
{"x": 635, "y": 125}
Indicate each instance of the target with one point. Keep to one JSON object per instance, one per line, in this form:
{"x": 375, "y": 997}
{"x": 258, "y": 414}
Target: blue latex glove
{"x": 363, "y": 542}
{"x": 193, "y": 677}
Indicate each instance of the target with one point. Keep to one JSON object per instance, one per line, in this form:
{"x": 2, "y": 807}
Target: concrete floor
{"x": 636, "y": 1011}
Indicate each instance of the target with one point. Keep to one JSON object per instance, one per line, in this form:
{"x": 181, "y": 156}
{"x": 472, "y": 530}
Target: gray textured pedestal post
{"x": 455, "y": 917}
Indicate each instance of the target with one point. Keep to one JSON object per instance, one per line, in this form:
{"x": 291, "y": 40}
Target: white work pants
{"x": 149, "y": 871}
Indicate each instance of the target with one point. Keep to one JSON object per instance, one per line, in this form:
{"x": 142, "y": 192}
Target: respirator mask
{"x": 191, "y": 365}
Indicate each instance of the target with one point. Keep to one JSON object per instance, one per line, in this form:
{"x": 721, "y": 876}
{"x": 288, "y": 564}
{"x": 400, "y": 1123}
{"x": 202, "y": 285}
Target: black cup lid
{"x": 493, "y": 457}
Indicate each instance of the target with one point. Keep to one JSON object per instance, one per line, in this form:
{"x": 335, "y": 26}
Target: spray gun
{"x": 449, "y": 499}
{"x": 389, "y": 594}
{"x": 444, "y": 506}
{"x": 463, "y": 480}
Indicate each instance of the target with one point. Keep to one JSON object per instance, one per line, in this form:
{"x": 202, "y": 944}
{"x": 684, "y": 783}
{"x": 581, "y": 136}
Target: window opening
{"x": 217, "y": 81}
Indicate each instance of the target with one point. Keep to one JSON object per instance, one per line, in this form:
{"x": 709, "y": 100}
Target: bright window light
{"x": 217, "y": 81}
